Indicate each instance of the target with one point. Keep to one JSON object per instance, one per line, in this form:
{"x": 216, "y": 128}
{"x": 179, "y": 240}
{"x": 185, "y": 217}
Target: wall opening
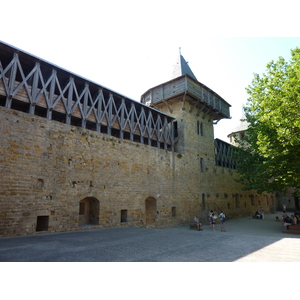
{"x": 89, "y": 209}
{"x": 201, "y": 165}
{"x": 151, "y": 212}
{"x": 42, "y": 223}
{"x": 123, "y": 215}
{"x": 199, "y": 128}
{"x": 81, "y": 208}
{"x": 173, "y": 211}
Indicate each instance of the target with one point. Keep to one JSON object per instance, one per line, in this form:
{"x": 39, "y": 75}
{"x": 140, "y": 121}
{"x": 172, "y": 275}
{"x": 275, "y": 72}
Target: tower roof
{"x": 243, "y": 126}
{"x": 181, "y": 68}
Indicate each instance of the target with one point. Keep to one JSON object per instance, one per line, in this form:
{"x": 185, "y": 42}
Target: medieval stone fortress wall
{"x": 75, "y": 155}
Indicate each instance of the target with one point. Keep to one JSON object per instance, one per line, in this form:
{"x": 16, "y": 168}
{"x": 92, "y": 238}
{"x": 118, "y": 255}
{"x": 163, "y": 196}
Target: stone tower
{"x": 194, "y": 106}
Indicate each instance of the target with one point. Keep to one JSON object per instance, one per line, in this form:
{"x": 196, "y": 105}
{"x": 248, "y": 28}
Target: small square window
{"x": 42, "y": 223}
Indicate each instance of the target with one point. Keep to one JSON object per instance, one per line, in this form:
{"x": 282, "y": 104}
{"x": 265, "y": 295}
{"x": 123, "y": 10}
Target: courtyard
{"x": 245, "y": 240}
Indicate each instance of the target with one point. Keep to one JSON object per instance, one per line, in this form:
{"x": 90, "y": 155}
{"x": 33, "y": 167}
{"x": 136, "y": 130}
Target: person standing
{"x": 262, "y": 211}
{"x": 222, "y": 220}
{"x": 209, "y": 218}
{"x": 212, "y": 221}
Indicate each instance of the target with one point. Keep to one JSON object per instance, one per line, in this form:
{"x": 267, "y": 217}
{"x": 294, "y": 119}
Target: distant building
{"x": 288, "y": 200}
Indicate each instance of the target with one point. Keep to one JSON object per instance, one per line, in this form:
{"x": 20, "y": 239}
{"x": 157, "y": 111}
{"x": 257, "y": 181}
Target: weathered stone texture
{"x": 48, "y": 168}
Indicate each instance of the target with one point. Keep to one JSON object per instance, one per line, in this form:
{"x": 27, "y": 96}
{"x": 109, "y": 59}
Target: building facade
{"x": 75, "y": 155}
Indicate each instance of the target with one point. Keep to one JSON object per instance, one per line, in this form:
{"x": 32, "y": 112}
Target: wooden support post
{"x": 34, "y": 89}
{"x": 122, "y": 120}
{"x": 132, "y": 122}
{"x": 69, "y": 100}
{"x": 51, "y": 95}
{"x": 11, "y": 82}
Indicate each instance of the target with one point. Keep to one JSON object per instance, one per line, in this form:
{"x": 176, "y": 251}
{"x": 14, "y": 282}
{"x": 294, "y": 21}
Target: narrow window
{"x": 228, "y": 205}
{"x": 173, "y": 211}
{"x": 199, "y": 128}
{"x": 123, "y": 215}
{"x": 201, "y": 165}
{"x": 175, "y": 126}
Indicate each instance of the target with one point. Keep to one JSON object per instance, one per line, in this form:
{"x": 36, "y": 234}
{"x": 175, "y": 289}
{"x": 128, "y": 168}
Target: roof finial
{"x": 180, "y": 50}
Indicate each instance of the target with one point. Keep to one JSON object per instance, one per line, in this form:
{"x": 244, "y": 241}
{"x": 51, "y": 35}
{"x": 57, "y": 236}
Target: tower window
{"x": 199, "y": 128}
{"x": 201, "y": 165}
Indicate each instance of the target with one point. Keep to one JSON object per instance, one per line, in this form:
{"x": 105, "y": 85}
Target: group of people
{"x": 212, "y": 221}
{"x": 292, "y": 220}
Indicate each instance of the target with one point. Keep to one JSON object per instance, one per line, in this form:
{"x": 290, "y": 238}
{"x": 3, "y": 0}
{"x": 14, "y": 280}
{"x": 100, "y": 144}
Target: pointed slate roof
{"x": 181, "y": 68}
{"x": 243, "y": 126}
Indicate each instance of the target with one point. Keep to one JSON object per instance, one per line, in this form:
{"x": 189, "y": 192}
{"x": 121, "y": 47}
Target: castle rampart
{"x": 149, "y": 167}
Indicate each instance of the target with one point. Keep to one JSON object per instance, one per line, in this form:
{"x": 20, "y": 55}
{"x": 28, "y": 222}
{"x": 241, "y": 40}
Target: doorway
{"x": 89, "y": 211}
{"x": 151, "y": 212}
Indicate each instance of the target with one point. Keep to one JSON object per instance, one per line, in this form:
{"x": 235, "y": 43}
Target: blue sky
{"x": 131, "y": 46}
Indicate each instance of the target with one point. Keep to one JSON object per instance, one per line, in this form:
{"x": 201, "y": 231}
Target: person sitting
{"x": 257, "y": 215}
{"x": 287, "y": 221}
{"x": 295, "y": 221}
{"x": 198, "y": 223}
{"x": 297, "y": 217}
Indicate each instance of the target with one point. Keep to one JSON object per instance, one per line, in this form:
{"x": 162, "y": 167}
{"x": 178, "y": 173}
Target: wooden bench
{"x": 193, "y": 226}
{"x": 293, "y": 229}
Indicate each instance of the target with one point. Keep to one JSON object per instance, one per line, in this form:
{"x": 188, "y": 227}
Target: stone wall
{"x": 289, "y": 201}
{"x": 57, "y": 177}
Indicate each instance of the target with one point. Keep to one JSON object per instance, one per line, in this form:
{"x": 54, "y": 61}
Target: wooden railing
{"x": 37, "y": 87}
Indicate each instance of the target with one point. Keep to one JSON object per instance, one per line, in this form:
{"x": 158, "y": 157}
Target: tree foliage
{"x": 269, "y": 156}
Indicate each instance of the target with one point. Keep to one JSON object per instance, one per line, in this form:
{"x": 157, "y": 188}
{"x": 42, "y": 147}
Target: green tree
{"x": 269, "y": 156}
